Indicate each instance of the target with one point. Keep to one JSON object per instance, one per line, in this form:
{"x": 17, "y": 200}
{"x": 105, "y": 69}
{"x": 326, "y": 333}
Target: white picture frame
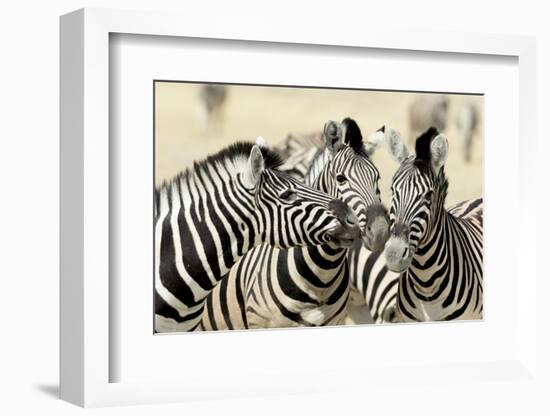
{"x": 85, "y": 354}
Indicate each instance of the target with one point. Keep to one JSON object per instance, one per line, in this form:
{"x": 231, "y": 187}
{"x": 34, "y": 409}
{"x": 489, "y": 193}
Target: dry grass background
{"x": 183, "y": 133}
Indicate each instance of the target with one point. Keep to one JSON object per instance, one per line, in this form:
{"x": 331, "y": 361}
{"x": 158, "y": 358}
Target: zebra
{"x": 373, "y": 292}
{"x": 298, "y": 163}
{"x": 295, "y": 143}
{"x": 299, "y": 151}
{"x": 438, "y": 252}
{"x": 306, "y": 286}
{"x": 209, "y": 216}
{"x": 466, "y": 121}
{"x": 212, "y": 98}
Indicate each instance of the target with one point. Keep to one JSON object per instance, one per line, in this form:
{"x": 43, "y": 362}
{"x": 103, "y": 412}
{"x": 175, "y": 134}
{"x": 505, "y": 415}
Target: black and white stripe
{"x": 208, "y": 217}
{"x": 306, "y": 286}
{"x": 438, "y": 252}
{"x": 373, "y": 286}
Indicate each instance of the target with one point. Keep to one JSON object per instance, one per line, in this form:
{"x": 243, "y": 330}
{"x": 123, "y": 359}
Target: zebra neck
{"x": 430, "y": 262}
{"x": 225, "y": 224}
{"x": 243, "y": 227}
{"x": 319, "y": 266}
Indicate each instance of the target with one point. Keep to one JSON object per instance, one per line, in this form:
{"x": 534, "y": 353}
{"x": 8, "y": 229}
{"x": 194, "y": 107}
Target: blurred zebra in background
{"x": 212, "y": 98}
{"x": 438, "y": 252}
{"x": 296, "y": 143}
{"x": 435, "y": 111}
{"x": 207, "y": 217}
{"x": 299, "y": 150}
{"x": 428, "y": 110}
{"x": 467, "y": 120}
{"x": 306, "y": 286}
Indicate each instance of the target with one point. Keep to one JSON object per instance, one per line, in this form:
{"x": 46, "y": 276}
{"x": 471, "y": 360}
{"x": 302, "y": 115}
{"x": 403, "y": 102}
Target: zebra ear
{"x": 439, "y": 149}
{"x": 260, "y": 141}
{"x": 374, "y": 139}
{"x": 254, "y": 167}
{"x": 397, "y": 148}
{"x": 334, "y": 136}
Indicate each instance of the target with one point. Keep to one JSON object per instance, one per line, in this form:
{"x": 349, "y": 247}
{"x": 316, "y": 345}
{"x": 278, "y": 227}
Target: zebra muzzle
{"x": 398, "y": 254}
{"x": 347, "y": 227}
{"x": 377, "y": 229}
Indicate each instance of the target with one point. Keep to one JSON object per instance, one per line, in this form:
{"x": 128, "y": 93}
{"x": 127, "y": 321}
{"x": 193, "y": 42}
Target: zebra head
{"x": 418, "y": 189}
{"x": 292, "y": 214}
{"x": 349, "y": 174}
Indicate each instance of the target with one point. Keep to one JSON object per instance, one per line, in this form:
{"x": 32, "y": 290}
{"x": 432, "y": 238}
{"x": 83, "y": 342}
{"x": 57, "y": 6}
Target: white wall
{"x": 29, "y": 56}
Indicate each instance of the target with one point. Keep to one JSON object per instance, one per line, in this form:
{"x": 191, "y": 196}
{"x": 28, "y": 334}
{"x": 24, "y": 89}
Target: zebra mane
{"x": 422, "y": 150}
{"x": 422, "y": 162}
{"x": 230, "y": 157}
{"x": 354, "y": 138}
{"x": 240, "y": 149}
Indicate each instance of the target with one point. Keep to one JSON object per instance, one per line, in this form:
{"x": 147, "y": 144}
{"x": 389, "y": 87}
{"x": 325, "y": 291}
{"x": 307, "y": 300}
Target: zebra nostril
{"x": 405, "y": 252}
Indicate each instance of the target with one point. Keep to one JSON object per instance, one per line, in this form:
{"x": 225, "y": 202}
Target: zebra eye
{"x": 428, "y": 196}
{"x": 289, "y": 195}
{"x": 341, "y": 178}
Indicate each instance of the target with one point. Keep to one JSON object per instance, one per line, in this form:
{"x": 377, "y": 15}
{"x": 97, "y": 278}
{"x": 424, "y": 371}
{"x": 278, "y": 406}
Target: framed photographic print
{"x": 223, "y": 194}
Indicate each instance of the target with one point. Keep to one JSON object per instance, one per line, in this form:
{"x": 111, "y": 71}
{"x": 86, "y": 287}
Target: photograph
{"x": 289, "y": 206}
